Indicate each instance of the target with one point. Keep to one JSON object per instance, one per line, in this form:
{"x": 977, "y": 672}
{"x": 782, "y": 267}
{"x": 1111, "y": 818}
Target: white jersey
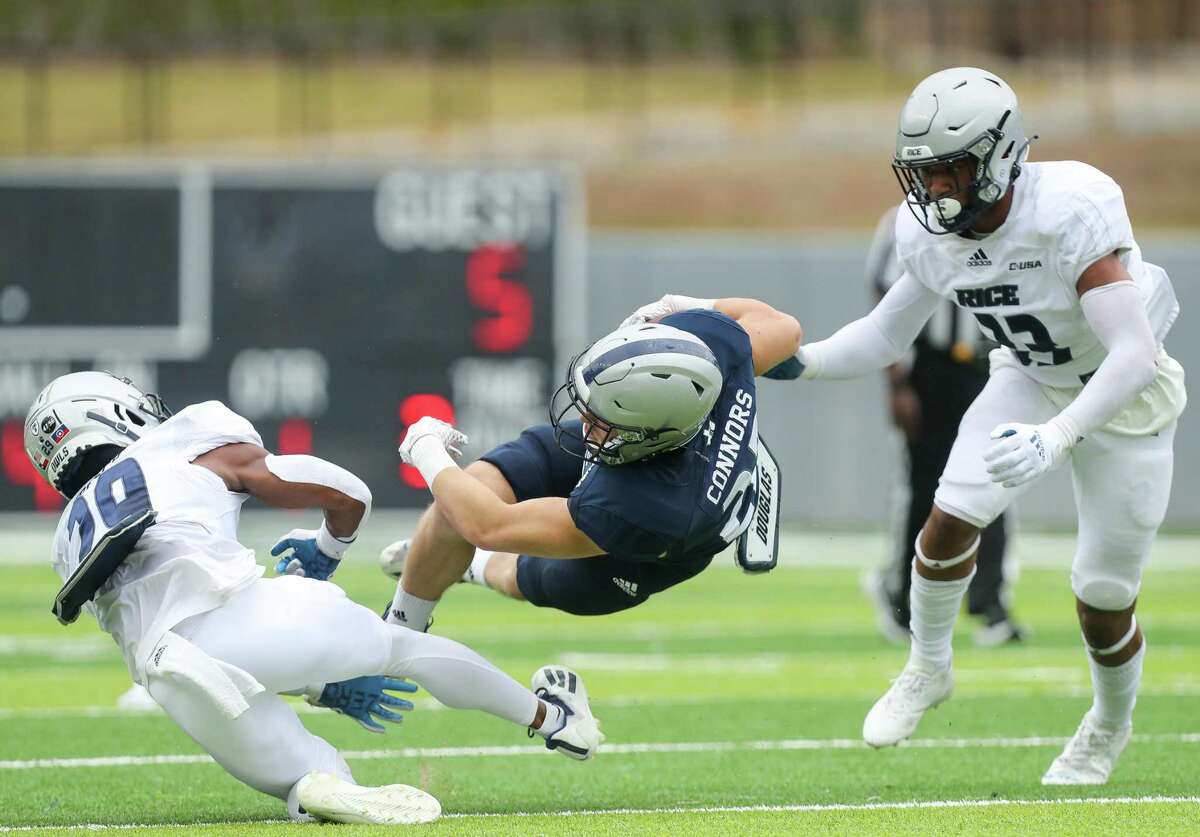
{"x": 189, "y": 561}
{"x": 1019, "y": 281}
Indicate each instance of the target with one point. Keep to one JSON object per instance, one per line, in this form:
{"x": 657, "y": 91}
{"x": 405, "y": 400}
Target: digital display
{"x": 342, "y": 306}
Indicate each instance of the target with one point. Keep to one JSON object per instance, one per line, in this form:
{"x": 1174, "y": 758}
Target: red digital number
{"x": 508, "y": 300}
{"x": 411, "y": 410}
{"x": 295, "y": 436}
{"x": 20, "y": 471}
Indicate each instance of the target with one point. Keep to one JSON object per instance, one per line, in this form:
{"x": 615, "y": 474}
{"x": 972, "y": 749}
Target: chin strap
{"x": 119, "y": 426}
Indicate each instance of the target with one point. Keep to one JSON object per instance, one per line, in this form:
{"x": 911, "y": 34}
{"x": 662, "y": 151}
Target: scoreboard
{"x": 331, "y": 305}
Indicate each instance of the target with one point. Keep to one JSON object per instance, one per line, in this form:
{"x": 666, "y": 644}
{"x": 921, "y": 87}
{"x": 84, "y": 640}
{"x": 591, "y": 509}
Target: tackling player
{"x": 148, "y": 544}
{"x": 596, "y": 516}
{"x": 1043, "y": 255}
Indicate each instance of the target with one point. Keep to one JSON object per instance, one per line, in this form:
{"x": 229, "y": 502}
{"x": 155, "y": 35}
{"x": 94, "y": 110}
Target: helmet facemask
{"x": 601, "y": 441}
{"x": 641, "y": 391}
{"x": 944, "y": 215}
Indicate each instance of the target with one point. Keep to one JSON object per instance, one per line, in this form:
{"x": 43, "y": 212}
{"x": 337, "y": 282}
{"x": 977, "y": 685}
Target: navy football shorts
{"x": 535, "y": 466}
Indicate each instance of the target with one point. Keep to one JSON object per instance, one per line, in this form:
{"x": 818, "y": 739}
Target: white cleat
{"x": 1089, "y": 756}
{"x": 136, "y": 699}
{"x": 392, "y": 559}
{"x": 579, "y": 737}
{"x": 327, "y": 797}
{"x": 895, "y": 715}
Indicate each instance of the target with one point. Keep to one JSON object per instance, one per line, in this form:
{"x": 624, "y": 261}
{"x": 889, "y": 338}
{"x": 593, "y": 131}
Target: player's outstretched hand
{"x": 314, "y": 553}
{"x": 366, "y": 698}
{"x": 429, "y": 427}
{"x": 669, "y": 304}
{"x": 1023, "y": 452}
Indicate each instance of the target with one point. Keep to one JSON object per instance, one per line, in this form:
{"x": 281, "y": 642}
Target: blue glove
{"x": 315, "y": 553}
{"x": 788, "y": 370}
{"x": 364, "y": 697}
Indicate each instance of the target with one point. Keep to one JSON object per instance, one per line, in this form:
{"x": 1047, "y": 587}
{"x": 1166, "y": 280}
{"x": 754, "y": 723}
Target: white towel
{"x": 227, "y": 686}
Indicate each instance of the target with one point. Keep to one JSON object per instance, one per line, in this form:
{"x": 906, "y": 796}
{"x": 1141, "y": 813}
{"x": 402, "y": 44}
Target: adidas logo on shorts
{"x": 630, "y": 587}
{"x": 979, "y": 259}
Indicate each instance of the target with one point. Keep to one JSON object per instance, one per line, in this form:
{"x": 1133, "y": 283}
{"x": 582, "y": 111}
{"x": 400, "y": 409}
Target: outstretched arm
{"x": 774, "y": 335}
{"x": 541, "y": 526}
{"x": 877, "y": 340}
{"x": 298, "y": 482}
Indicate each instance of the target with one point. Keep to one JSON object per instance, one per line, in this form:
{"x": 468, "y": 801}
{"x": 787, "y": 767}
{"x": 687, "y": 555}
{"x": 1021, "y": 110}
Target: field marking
{"x": 613, "y": 749}
{"x": 1182, "y": 688}
{"x": 27, "y": 538}
{"x": 708, "y": 809}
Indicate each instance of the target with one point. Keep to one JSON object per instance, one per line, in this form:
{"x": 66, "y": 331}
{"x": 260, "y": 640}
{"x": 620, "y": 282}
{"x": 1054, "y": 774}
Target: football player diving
{"x": 595, "y": 514}
{"x": 148, "y": 544}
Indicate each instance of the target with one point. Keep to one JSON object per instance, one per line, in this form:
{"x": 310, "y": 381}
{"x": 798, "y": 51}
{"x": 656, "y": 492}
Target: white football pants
{"x": 292, "y": 632}
{"x": 1122, "y": 485}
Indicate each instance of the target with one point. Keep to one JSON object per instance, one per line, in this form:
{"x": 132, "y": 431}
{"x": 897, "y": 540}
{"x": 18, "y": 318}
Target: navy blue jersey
{"x": 694, "y": 501}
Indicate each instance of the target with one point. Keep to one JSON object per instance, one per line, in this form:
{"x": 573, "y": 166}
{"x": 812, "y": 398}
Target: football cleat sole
{"x": 327, "y": 797}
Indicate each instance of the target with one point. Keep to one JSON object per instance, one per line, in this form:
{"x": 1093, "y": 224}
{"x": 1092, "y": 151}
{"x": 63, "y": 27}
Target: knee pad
{"x": 1104, "y": 592}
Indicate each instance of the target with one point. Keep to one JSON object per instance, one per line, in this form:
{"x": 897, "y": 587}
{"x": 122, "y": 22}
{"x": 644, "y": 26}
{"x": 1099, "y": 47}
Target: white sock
{"x": 934, "y": 606}
{"x": 461, "y": 679}
{"x": 475, "y": 573}
{"x": 553, "y": 722}
{"x": 1114, "y": 690}
{"x": 409, "y": 610}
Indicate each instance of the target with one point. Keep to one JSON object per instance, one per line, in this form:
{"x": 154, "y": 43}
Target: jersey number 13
{"x": 1040, "y": 340}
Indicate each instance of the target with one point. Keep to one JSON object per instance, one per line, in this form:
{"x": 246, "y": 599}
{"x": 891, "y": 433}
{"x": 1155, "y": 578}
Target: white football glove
{"x": 451, "y": 440}
{"x": 1023, "y": 452}
{"x": 669, "y": 304}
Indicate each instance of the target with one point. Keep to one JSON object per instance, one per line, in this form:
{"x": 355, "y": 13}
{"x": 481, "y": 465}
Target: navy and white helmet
{"x": 643, "y": 389}
{"x": 84, "y": 410}
{"x": 952, "y": 114}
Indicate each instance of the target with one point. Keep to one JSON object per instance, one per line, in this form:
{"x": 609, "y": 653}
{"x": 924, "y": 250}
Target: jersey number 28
{"x": 123, "y": 502}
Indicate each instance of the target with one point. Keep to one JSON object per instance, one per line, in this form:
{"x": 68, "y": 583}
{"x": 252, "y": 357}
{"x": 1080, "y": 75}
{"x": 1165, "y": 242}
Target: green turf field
{"x": 732, "y": 705}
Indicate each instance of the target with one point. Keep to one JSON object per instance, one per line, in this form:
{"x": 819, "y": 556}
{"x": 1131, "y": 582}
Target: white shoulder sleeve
{"x": 877, "y": 340}
{"x": 1117, "y": 314}
{"x": 1095, "y": 224}
{"x": 210, "y": 424}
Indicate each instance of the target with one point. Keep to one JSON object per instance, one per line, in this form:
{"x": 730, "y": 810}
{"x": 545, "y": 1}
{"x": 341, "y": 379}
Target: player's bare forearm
{"x": 774, "y": 335}
{"x": 541, "y": 527}
{"x": 243, "y": 468}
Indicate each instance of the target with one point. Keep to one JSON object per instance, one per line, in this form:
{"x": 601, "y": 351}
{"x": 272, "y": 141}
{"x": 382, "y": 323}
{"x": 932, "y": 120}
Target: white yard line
{"x": 26, "y": 540}
{"x": 710, "y": 809}
{"x": 612, "y": 749}
{"x": 1185, "y": 688}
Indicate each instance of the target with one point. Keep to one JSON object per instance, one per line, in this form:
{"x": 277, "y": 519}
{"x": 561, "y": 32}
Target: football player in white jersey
{"x": 1044, "y": 256}
{"x": 148, "y": 544}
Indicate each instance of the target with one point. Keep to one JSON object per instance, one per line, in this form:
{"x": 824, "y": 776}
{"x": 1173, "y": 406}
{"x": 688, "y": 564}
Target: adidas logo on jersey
{"x": 629, "y": 587}
{"x": 979, "y": 259}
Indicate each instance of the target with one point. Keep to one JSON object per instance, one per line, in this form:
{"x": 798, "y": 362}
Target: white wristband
{"x": 430, "y": 457}
{"x": 331, "y": 544}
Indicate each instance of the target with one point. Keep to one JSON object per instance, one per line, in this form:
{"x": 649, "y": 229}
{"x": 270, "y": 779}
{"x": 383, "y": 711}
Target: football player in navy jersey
{"x": 596, "y": 514}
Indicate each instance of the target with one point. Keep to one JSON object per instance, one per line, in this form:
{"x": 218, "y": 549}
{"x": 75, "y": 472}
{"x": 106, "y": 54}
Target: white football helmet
{"x": 84, "y": 410}
{"x": 950, "y": 115}
{"x": 646, "y": 388}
